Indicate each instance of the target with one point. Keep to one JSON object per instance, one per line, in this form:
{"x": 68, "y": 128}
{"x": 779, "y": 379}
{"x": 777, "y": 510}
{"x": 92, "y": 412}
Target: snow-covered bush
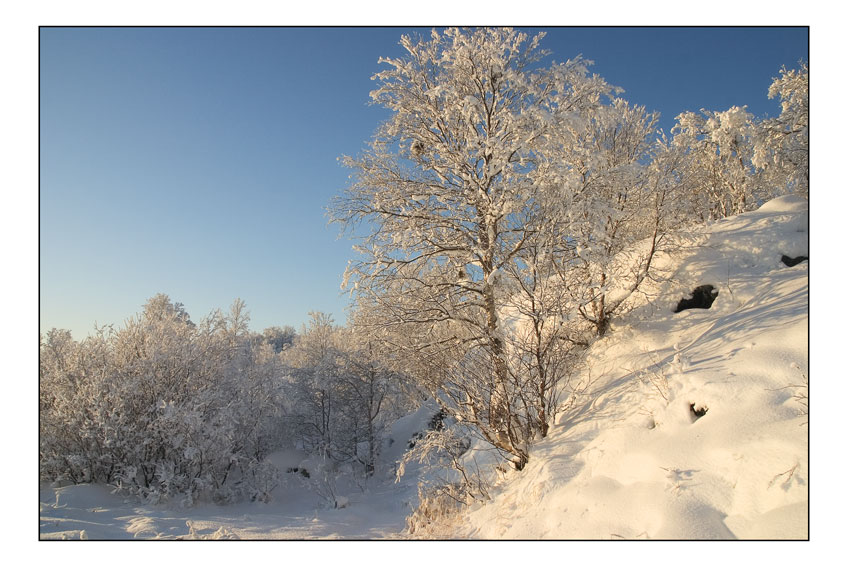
{"x": 163, "y": 408}
{"x": 460, "y": 470}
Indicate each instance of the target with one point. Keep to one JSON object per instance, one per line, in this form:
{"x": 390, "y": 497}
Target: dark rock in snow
{"x": 698, "y": 411}
{"x": 702, "y": 298}
{"x": 792, "y": 261}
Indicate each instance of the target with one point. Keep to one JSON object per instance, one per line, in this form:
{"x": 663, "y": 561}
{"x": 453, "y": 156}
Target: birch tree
{"x": 450, "y": 191}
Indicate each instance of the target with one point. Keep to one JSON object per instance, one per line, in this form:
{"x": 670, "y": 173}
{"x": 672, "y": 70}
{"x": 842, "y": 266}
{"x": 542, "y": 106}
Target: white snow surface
{"x": 630, "y": 460}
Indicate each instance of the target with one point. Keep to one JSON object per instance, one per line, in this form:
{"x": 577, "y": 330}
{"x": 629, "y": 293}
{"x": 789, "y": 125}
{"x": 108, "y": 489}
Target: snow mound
{"x": 785, "y": 204}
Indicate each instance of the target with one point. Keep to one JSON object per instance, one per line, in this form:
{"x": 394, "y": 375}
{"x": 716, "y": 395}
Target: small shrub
{"x": 438, "y": 511}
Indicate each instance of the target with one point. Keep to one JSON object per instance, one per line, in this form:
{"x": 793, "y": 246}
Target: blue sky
{"x": 197, "y": 162}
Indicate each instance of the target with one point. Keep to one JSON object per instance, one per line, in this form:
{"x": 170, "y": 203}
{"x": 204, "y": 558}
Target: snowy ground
{"x": 301, "y": 508}
{"x": 630, "y": 461}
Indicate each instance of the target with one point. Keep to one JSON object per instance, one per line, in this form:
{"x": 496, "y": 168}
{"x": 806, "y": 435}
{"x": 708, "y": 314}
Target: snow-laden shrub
{"x": 438, "y": 511}
{"x": 162, "y": 408}
{"x": 459, "y": 473}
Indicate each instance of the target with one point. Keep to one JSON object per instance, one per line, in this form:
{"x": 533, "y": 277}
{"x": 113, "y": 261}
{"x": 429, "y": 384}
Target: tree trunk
{"x": 498, "y": 410}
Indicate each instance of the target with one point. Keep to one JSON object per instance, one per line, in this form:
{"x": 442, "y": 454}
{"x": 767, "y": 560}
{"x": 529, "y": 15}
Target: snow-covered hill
{"x": 694, "y": 427}
{"x": 633, "y": 459}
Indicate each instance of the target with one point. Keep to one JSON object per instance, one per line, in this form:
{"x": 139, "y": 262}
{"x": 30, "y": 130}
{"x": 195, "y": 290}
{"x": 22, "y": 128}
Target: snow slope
{"x": 630, "y": 460}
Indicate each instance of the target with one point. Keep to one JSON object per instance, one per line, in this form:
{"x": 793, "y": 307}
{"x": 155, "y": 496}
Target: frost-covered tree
{"x": 452, "y": 189}
{"x": 315, "y": 365}
{"x": 612, "y": 205}
{"x": 720, "y": 172}
{"x": 542, "y": 349}
{"x": 162, "y": 407}
{"x": 574, "y": 276}
{"x": 343, "y": 394}
{"x": 734, "y": 162}
{"x": 783, "y": 148}
{"x": 371, "y": 392}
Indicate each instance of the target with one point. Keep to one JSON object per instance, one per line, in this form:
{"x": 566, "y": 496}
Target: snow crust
{"x": 631, "y": 460}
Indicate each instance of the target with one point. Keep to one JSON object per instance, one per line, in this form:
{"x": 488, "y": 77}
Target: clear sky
{"x": 198, "y": 162}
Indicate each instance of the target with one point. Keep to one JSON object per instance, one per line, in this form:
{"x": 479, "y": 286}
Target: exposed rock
{"x": 702, "y": 298}
{"x": 792, "y": 261}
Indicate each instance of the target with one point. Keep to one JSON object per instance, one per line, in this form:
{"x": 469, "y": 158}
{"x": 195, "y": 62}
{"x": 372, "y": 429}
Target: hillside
{"x": 632, "y": 459}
